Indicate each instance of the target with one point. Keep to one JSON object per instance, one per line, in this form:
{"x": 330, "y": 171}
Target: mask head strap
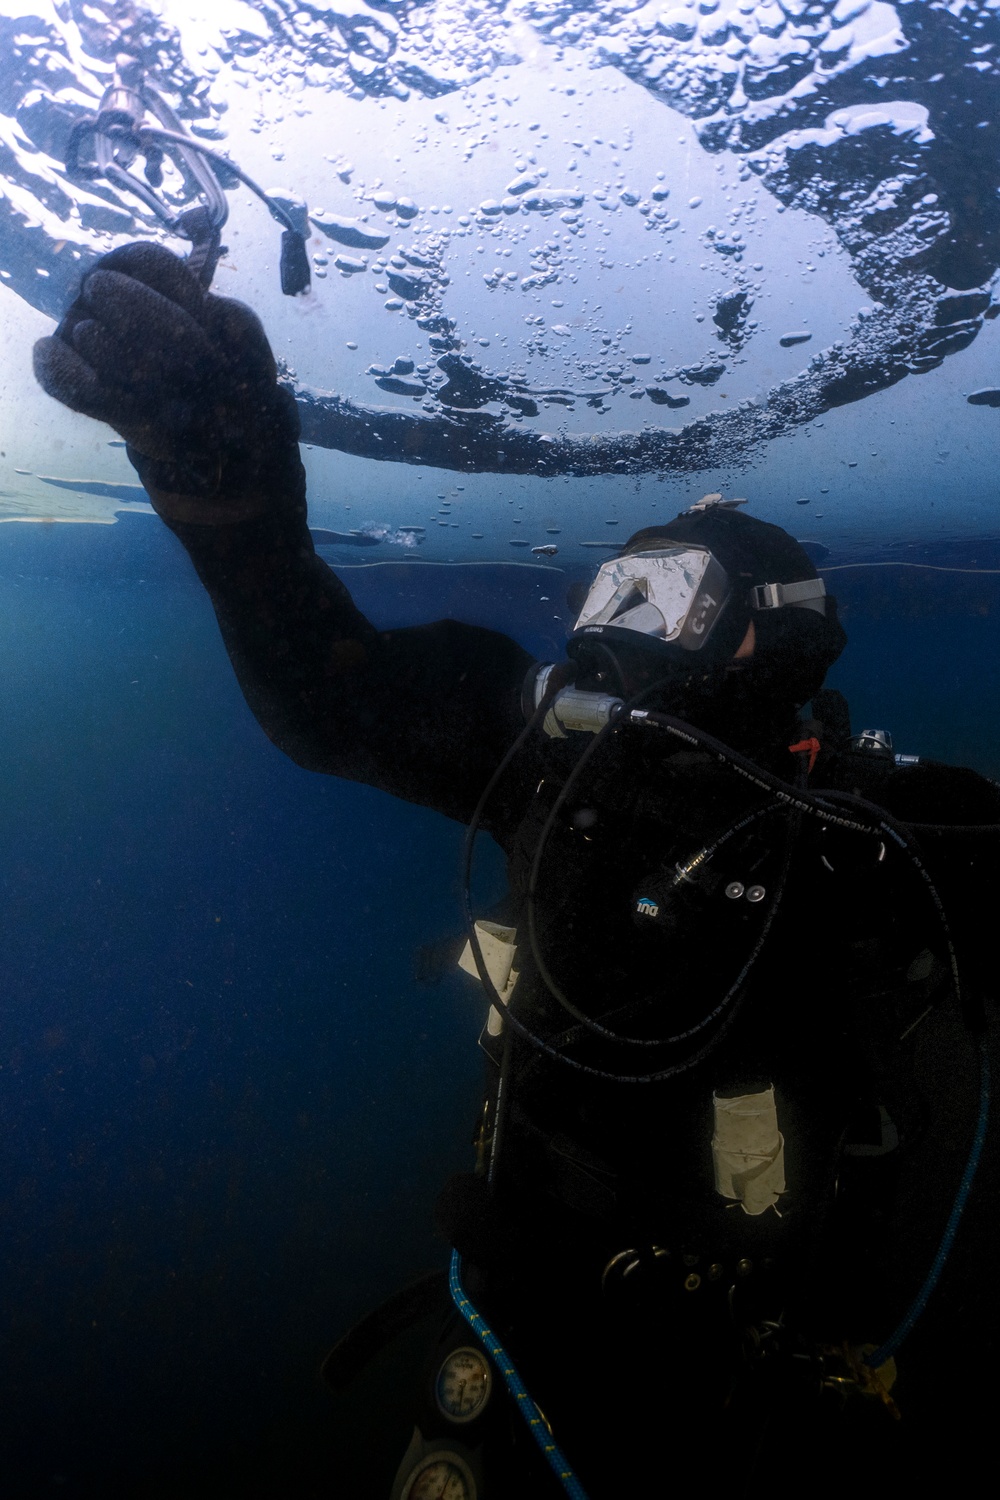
{"x": 809, "y": 594}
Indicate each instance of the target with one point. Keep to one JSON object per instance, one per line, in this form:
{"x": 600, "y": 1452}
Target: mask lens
{"x": 674, "y": 594}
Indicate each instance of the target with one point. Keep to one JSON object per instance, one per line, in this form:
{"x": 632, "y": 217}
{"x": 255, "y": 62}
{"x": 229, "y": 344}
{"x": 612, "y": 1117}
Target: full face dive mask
{"x": 671, "y": 595}
{"x": 679, "y": 606}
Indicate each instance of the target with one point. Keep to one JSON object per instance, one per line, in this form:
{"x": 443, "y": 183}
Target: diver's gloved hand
{"x": 188, "y": 380}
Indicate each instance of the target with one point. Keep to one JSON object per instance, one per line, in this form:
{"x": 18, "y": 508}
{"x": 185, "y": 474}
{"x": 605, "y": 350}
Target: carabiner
{"x": 119, "y": 134}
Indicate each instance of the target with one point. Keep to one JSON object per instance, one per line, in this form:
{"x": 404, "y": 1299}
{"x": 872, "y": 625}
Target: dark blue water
{"x": 225, "y": 1103}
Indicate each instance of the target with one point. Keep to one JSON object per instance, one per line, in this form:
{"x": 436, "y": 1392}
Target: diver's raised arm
{"x": 188, "y": 380}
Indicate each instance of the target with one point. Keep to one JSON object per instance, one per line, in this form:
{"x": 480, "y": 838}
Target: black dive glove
{"x": 188, "y": 380}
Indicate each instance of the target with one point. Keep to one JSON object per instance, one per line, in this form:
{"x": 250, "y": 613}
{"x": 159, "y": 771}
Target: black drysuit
{"x": 847, "y": 964}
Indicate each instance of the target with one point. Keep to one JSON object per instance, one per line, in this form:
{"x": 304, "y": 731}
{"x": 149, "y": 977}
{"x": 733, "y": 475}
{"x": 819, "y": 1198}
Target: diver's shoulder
{"x": 913, "y": 788}
{"x": 930, "y": 791}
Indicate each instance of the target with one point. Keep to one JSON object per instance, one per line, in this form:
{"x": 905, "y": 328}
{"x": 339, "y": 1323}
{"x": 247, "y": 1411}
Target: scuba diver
{"x": 726, "y": 930}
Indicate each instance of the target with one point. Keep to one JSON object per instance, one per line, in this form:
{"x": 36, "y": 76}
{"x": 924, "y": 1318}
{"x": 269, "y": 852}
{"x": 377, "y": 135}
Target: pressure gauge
{"x": 463, "y": 1385}
{"x": 440, "y": 1476}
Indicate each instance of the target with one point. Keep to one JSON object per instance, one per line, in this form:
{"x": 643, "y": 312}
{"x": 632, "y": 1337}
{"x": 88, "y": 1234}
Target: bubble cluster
{"x": 880, "y": 121}
{"x": 846, "y": 108}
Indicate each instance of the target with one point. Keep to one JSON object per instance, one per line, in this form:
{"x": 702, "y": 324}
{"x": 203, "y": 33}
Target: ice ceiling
{"x": 549, "y": 239}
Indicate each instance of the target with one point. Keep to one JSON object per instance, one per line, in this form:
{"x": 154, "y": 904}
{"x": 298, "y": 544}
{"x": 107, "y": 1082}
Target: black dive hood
{"x": 730, "y": 570}
{"x": 703, "y": 570}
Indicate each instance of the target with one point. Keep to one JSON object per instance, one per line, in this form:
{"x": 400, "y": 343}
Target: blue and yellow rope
{"x": 537, "y": 1425}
